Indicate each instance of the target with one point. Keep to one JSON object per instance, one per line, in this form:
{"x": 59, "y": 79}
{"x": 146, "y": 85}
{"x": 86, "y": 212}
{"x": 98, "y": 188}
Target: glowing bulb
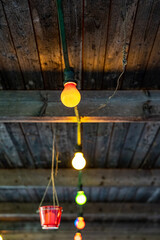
{"x": 1, "y": 238}
{"x": 78, "y": 236}
{"x": 80, "y": 224}
{"x": 70, "y": 95}
{"x": 78, "y": 162}
{"x": 81, "y": 198}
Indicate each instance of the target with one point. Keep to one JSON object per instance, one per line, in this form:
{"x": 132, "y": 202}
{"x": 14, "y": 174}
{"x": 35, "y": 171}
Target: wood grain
{"x": 144, "y": 32}
{"x": 126, "y": 106}
{"x": 11, "y": 77}
{"x": 17, "y": 12}
{"x": 113, "y": 64}
{"x": 96, "y": 15}
{"x": 45, "y": 23}
{"x": 68, "y": 177}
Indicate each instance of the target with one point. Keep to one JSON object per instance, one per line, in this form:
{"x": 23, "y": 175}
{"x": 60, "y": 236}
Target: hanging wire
{"x": 52, "y": 170}
{"x": 55, "y": 197}
{"x": 124, "y": 60}
{"x": 78, "y": 126}
{"x": 62, "y": 33}
{"x": 49, "y": 182}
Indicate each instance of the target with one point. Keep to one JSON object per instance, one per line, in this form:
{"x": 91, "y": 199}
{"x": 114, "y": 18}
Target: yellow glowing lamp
{"x": 80, "y": 198}
{"x": 78, "y": 162}
{"x": 70, "y": 95}
{"x": 1, "y": 238}
{"x": 78, "y": 236}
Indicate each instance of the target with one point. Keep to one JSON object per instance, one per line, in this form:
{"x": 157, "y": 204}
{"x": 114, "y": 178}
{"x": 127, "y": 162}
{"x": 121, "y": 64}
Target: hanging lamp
{"x": 80, "y": 198}
{"x": 70, "y": 95}
{"x": 78, "y": 236}
{"x": 50, "y": 216}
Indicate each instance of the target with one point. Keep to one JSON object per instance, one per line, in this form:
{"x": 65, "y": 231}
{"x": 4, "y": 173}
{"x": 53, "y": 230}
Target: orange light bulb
{"x": 80, "y": 223}
{"x": 70, "y": 95}
{"x": 78, "y": 236}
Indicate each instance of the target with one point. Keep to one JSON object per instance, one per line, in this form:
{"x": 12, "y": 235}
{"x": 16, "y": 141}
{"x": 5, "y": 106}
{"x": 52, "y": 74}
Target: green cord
{"x": 62, "y": 34}
{"x": 80, "y": 180}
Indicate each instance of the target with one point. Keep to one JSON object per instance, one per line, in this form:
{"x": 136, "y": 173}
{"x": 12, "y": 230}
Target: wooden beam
{"x": 94, "y": 228}
{"x": 68, "y": 177}
{"x": 92, "y": 211}
{"x": 51, "y": 235}
{"x": 126, "y": 106}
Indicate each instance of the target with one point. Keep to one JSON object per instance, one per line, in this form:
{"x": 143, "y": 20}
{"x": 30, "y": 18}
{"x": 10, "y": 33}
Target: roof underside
{"x": 31, "y": 59}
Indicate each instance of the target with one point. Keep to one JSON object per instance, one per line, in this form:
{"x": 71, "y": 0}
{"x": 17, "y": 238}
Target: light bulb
{"x": 1, "y": 238}
{"x": 80, "y": 223}
{"x": 70, "y": 95}
{"x": 78, "y": 162}
{"x": 80, "y": 198}
{"x": 78, "y": 236}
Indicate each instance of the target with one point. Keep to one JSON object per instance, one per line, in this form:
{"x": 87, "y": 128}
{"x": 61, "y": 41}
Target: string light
{"x": 80, "y": 198}
{"x": 78, "y": 236}
{"x": 79, "y": 223}
{"x": 70, "y": 95}
{"x": 78, "y": 162}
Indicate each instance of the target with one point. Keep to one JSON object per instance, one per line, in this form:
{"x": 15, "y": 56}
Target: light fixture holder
{"x": 69, "y": 76}
{"x": 78, "y": 148}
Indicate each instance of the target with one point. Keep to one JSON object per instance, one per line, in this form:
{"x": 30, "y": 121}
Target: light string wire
{"x": 78, "y": 126}
{"x": 79, "y": 143}
{"x": 55, "y": 197}
{"x": 62, "y": 33}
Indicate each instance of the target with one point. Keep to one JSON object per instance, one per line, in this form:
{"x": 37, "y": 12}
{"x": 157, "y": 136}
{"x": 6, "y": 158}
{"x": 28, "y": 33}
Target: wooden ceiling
{"x": 30, "y": 51}
{"x": 121, "y": 180}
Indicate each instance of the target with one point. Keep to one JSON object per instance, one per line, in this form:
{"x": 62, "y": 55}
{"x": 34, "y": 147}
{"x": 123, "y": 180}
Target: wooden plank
{"x": 144, "y": 32}
{"x": 157, "y": 163}
{"x": 93, "y": 228}
{"x": 96, "y": 15}
{"x": 142, "y": 195}
{"x": 153, "y": 153}
{"x": 17, "y": 11}
{"x": 16, "y": 134}
{"x": 44, "y": 131}
{"x": 89, "y": 143}
{"x": 92, "y": 211}
{"x": 131, "y": 141}
{"x": 11, "y": 77}
{"x": 116, "y": 143}
{"x": 144, "y": 144}
{"x": 35, "y": 145}
{"x": 45, "y": 23}
{"x": 155, "y": 197}
{"x": 73, "y": 14}
{"x": 68, "y": 177}
{"x": 65, "y": 146}
{"x": 112, "y": 194}
{"x": 115, "y": 41}
{"x": 8, "y": 149}
{"x": 102, "y": 143}
{"x": 151, "y": 78}
{"x": 126, "y": 106}
{"x": 67, "y": 236}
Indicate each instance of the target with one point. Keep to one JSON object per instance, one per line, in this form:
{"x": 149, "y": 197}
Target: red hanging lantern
{"x": 50, "y": 216}
{"x": 78, "y": 236}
